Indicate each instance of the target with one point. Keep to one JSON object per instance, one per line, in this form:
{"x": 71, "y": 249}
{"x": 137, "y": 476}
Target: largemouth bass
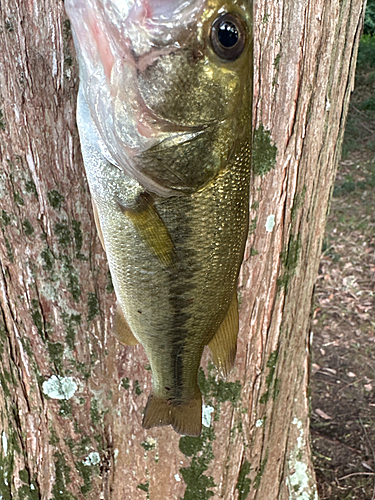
{"x": 164, "y": 117}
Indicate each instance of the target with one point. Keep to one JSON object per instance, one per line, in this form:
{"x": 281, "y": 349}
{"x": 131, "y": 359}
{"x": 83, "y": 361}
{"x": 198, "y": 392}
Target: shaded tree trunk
{"x": 71, "y": 397}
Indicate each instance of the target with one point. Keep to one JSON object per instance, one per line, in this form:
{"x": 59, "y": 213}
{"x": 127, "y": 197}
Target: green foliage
{"x": 369, "y": 27}
{"x": 368, "y": 104}
{"x": 366, "y": 52}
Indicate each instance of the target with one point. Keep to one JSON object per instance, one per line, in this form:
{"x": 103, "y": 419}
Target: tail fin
{"x": 185, "y": 418}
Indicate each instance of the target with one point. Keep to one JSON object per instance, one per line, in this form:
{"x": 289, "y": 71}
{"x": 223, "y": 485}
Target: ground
{"x": 343, "y": 313}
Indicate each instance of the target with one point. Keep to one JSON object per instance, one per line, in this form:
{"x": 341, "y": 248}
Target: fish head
{"x": 168, "y": 84}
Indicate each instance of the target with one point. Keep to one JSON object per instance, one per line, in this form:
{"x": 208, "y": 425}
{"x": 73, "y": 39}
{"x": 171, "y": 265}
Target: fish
{"x": 164, "y": 116}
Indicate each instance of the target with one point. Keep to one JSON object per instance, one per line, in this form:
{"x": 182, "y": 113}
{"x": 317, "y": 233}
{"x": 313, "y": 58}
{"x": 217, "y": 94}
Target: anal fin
{"x": 223, "y": 345}
{"x": 185, "y": 418}
{"x": 122, "y": 330}
{"x": 152, "y": 229}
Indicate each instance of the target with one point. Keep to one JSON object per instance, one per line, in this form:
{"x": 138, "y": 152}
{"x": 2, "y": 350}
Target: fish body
{"x": 164, "y": 116}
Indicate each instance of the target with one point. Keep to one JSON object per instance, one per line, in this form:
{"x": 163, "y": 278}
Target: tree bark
{"x": 71, "y": 397}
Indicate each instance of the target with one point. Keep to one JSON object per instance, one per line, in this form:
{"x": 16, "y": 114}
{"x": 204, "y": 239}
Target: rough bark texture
{"x": 71, "y": 397}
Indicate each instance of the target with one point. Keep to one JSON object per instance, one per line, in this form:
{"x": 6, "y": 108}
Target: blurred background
{"x": 343, "y": 313}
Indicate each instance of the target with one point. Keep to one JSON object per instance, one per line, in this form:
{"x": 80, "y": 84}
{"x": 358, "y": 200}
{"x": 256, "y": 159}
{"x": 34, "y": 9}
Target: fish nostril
{"x": 167, "y": 388}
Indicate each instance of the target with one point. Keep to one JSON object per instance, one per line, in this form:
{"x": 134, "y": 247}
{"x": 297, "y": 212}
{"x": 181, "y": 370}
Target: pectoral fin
{"x": 223, "y": 346}
{"x": 152, "y": 229}
{"x": 122, "y": 330}
{"x": 97, "y": 223}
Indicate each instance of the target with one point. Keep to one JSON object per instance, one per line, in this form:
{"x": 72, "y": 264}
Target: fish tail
{"x": 185, "y": 417}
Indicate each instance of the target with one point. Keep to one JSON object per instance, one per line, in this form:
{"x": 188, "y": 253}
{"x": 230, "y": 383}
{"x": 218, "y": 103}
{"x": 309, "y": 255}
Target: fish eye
{"x": 228, "y": 36}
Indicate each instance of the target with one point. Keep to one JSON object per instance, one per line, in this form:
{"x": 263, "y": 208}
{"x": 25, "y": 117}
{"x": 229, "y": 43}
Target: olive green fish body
{"x": 174, "y": 310}
{"x": 169, "y": 170}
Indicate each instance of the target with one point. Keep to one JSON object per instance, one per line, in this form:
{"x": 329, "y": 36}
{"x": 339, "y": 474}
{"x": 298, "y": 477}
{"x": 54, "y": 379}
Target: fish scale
{"x": 165, "y": 129}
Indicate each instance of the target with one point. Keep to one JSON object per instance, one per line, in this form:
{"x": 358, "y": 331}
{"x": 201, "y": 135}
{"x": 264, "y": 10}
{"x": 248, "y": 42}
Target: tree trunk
{"x": 71, "y": 397}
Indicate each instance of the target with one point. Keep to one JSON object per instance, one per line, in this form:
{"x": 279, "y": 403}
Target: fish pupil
{"x": 227, "y": 34}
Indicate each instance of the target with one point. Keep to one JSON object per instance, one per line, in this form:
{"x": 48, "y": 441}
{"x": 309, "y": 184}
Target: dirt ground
{"x": 343, "y": 315}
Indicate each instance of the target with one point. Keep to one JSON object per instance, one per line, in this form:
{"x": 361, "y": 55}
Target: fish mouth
{"x": 116, "y": 48}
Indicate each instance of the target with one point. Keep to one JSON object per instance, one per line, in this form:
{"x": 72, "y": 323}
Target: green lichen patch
{"x": 48, "y": 259}
{"x": 299, "y": 198}
{"x": 29, "y": 490}
{"x": 71, "y": 322}
{"x": 92, "y": 305}
{"x": 200, "y": 449}
{"x": 82, "y": 368}
{"x": 125, "y": 383}
{"x": 67, "y": 30}
{"x": 2, "y": 121}
{"x": 37, "y": 318}
{"x": 3, "y": 337}
{"x": 62, "y": 479}
{"x": 84, "y": 445}
{"x": 56, "y": 354}
{"x": 86, "y": 472}
{"x": 9, "y": 377}
{"x": 78, "y": 239}
{"x": 53, "y": 439}
{"x": 94, "y": 412}
{"x": 253, "y": 225}
{"x": 261, "y": 469}
{"x": 30, "y": 188}
{"x": 18, "y": 199}
{"x": 237, "y": 427}
{"x": 27, "y": 227}
{"x": 273, "y": 384}
{"x": 65, "y": 408}
{"x": 264, "y": 151}
{"x": 63, "y": 233}
{"x": 68, "y": 59}
{"x": 289, "y": 259}
{"x": 9, "y": 26}
{"x": 137, "y": 388}
{"x": 5, "y": 219}
{"x": 4, "y": 386}
{"x": 243, "y": 482}
{"x": 144, "y": 487}
{"x": 55, "y": 199}
{"x": 6, "y": 472}
{"x": 9, "y": 249}
{"x": 220, "y": 390}
{"x": 276, "y": 62}
{"x": 72, "y": 278}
